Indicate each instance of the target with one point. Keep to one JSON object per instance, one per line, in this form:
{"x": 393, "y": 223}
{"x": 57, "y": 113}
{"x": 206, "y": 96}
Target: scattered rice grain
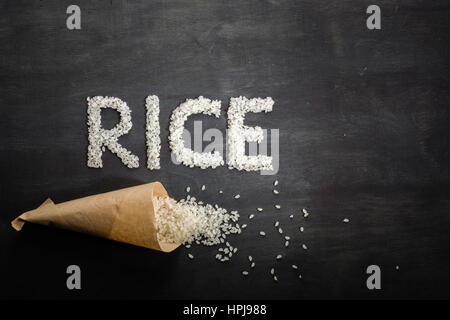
{"x": 305, "y": 213}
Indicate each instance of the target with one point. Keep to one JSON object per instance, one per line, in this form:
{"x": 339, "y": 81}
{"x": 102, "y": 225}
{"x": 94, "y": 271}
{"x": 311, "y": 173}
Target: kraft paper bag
{"x": 125, "y": 215}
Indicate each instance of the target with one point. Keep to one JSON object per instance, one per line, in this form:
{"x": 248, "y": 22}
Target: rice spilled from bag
{"x": 187, "y": 221}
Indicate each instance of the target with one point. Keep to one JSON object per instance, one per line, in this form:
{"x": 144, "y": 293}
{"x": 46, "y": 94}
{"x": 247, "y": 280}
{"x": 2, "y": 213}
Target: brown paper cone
{"x": 125, "y": 215}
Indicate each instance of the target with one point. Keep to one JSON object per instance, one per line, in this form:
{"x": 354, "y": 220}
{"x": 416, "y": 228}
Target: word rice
{"x": 100, "y": 138}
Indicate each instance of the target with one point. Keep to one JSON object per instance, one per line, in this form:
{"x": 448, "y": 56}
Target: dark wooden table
{"x": 363, "y": 118}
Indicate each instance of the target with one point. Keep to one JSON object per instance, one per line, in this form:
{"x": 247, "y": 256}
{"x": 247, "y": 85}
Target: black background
{"x": 363, "y": 117}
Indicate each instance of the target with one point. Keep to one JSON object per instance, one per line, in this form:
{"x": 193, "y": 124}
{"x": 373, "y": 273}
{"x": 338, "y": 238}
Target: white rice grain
{"x": 305, "y": 213}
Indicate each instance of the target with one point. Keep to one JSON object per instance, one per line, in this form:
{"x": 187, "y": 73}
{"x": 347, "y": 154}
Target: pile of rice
{"x": 187, "y": 221}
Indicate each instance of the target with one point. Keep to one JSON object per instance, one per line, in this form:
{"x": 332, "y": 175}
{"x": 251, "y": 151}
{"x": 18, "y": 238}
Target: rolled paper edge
{"x": 18, "y": 222}
{"x": 168, "y": 247}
